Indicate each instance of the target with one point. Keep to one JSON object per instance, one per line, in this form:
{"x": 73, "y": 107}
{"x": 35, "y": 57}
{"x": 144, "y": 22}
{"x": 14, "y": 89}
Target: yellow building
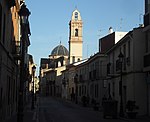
{"x": 8, "y": 65}
{"x": 10, "y": 58}
{"x": 50, "y": 70}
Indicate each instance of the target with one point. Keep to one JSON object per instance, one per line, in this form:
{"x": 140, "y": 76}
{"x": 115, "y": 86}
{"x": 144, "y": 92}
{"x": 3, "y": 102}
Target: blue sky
{"x": 49, "y": 22}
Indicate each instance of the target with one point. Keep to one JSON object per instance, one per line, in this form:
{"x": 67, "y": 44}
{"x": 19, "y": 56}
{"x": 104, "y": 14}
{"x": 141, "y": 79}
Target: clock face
{"x": 76, "y": 15}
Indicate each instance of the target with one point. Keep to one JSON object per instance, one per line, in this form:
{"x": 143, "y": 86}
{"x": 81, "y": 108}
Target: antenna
{"x": 121, "y": 23}
{"x": 99, "y": 35}
{"x": 140, "y": 18}
{"x": 76, "y": 7}
{"x": 60, "y": 40}
{"x": 87, "y": 50}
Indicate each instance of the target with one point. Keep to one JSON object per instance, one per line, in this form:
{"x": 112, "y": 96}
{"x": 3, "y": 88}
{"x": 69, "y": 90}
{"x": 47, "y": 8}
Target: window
{"x": 128, "y": 48}
{"x": 0, "y": 21}
{"x": 124, "y": 53}
{"x": 0, "y": 67}
{"x": 1, "y": 97}
{"x": 108, "y": 68}
{"x": 9, "y": 90}
{"x": 147, "y": 4}
{"x": 76, "y": 15}
{"x": 73, "y": 59}
{"x": 76, "y": 32}
{"x": 96, "y": 90}
{"x": 80, "y": 91}
{"x": 113, "y": 93}
{"x": 59, "y": 64}
{"x": 146, "y": 43}
{"x": 4, "y": 28}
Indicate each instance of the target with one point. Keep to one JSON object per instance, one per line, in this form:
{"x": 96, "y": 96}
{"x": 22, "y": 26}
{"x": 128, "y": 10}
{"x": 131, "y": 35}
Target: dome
{"x": 60, "y": 50}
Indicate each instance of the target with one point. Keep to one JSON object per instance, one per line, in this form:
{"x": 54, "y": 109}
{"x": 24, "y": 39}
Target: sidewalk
{"x": 29, "y": 115}
{"x": 138, "y": 119}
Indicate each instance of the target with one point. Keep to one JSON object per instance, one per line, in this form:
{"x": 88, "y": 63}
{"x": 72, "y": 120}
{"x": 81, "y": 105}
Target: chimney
{"x": 110, "y": 30}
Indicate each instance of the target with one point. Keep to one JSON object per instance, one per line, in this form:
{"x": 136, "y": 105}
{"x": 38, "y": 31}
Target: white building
{"x": 133, "y": 78}
{"x": 110, "y": 40}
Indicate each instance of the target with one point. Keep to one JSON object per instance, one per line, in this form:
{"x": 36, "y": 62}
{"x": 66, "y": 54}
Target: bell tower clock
{"x": 75, "y": 37}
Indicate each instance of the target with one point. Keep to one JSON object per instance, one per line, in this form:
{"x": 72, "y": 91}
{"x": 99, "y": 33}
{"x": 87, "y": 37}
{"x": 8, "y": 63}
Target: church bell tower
{"x": 75, "y": 37}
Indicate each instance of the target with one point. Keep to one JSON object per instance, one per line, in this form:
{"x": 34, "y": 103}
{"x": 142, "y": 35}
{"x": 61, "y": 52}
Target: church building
{"x": 51, "y": 68}
{"x": 75, "y": 37}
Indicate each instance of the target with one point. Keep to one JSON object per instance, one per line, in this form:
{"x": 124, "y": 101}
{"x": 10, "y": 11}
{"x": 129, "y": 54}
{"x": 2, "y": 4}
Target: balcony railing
{"x": 16, "y": 49}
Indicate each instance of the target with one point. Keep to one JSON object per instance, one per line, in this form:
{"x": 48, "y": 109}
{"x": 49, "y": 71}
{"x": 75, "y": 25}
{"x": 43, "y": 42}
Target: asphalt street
{"x": 49, "y": 109}
{"x": 56, "y": 110}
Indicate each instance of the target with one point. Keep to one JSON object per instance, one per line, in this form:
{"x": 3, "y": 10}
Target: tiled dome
{"x": 60, "y": 50}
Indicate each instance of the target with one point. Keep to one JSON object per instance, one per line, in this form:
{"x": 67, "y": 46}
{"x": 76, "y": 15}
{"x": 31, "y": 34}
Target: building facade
{"x": 146, "y": 57}
{"x": 8, "y": 65}
{"x": 10, "y": 57}
{"x": 50, "y": 71}
{"x": 91, "y": 77}
{"x": 127, "y": 78}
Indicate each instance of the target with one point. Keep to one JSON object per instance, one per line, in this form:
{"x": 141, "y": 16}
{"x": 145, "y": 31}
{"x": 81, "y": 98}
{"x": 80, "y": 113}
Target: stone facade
{"x": 10, "y": 58}
{"x": 8, "y": 66}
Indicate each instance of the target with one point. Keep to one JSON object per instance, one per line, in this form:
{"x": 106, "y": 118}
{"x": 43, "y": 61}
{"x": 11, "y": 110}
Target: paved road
{"x": 55, "y": 110}
{"x": 49, "y": 109}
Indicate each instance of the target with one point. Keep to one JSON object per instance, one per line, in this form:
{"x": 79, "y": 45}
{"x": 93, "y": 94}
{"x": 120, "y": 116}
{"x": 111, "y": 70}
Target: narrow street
{"x": 55, "y": 110}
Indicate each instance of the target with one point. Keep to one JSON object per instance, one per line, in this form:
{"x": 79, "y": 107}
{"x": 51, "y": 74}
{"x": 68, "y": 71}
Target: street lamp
{"x": 121, "y": 56}
{"x": 64, "y": 83}
{"x": 76, "y": 81}
{"x": 33, "y": 75}
{"x": 24, "y": 14}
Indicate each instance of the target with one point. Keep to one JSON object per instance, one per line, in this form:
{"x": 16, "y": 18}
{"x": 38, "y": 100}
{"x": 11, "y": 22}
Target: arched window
{"x": 76, "y": 32}
{"x": 76, "y": 15}
{"x": 59, "y": 64}
{"x": 73, "y": 59}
